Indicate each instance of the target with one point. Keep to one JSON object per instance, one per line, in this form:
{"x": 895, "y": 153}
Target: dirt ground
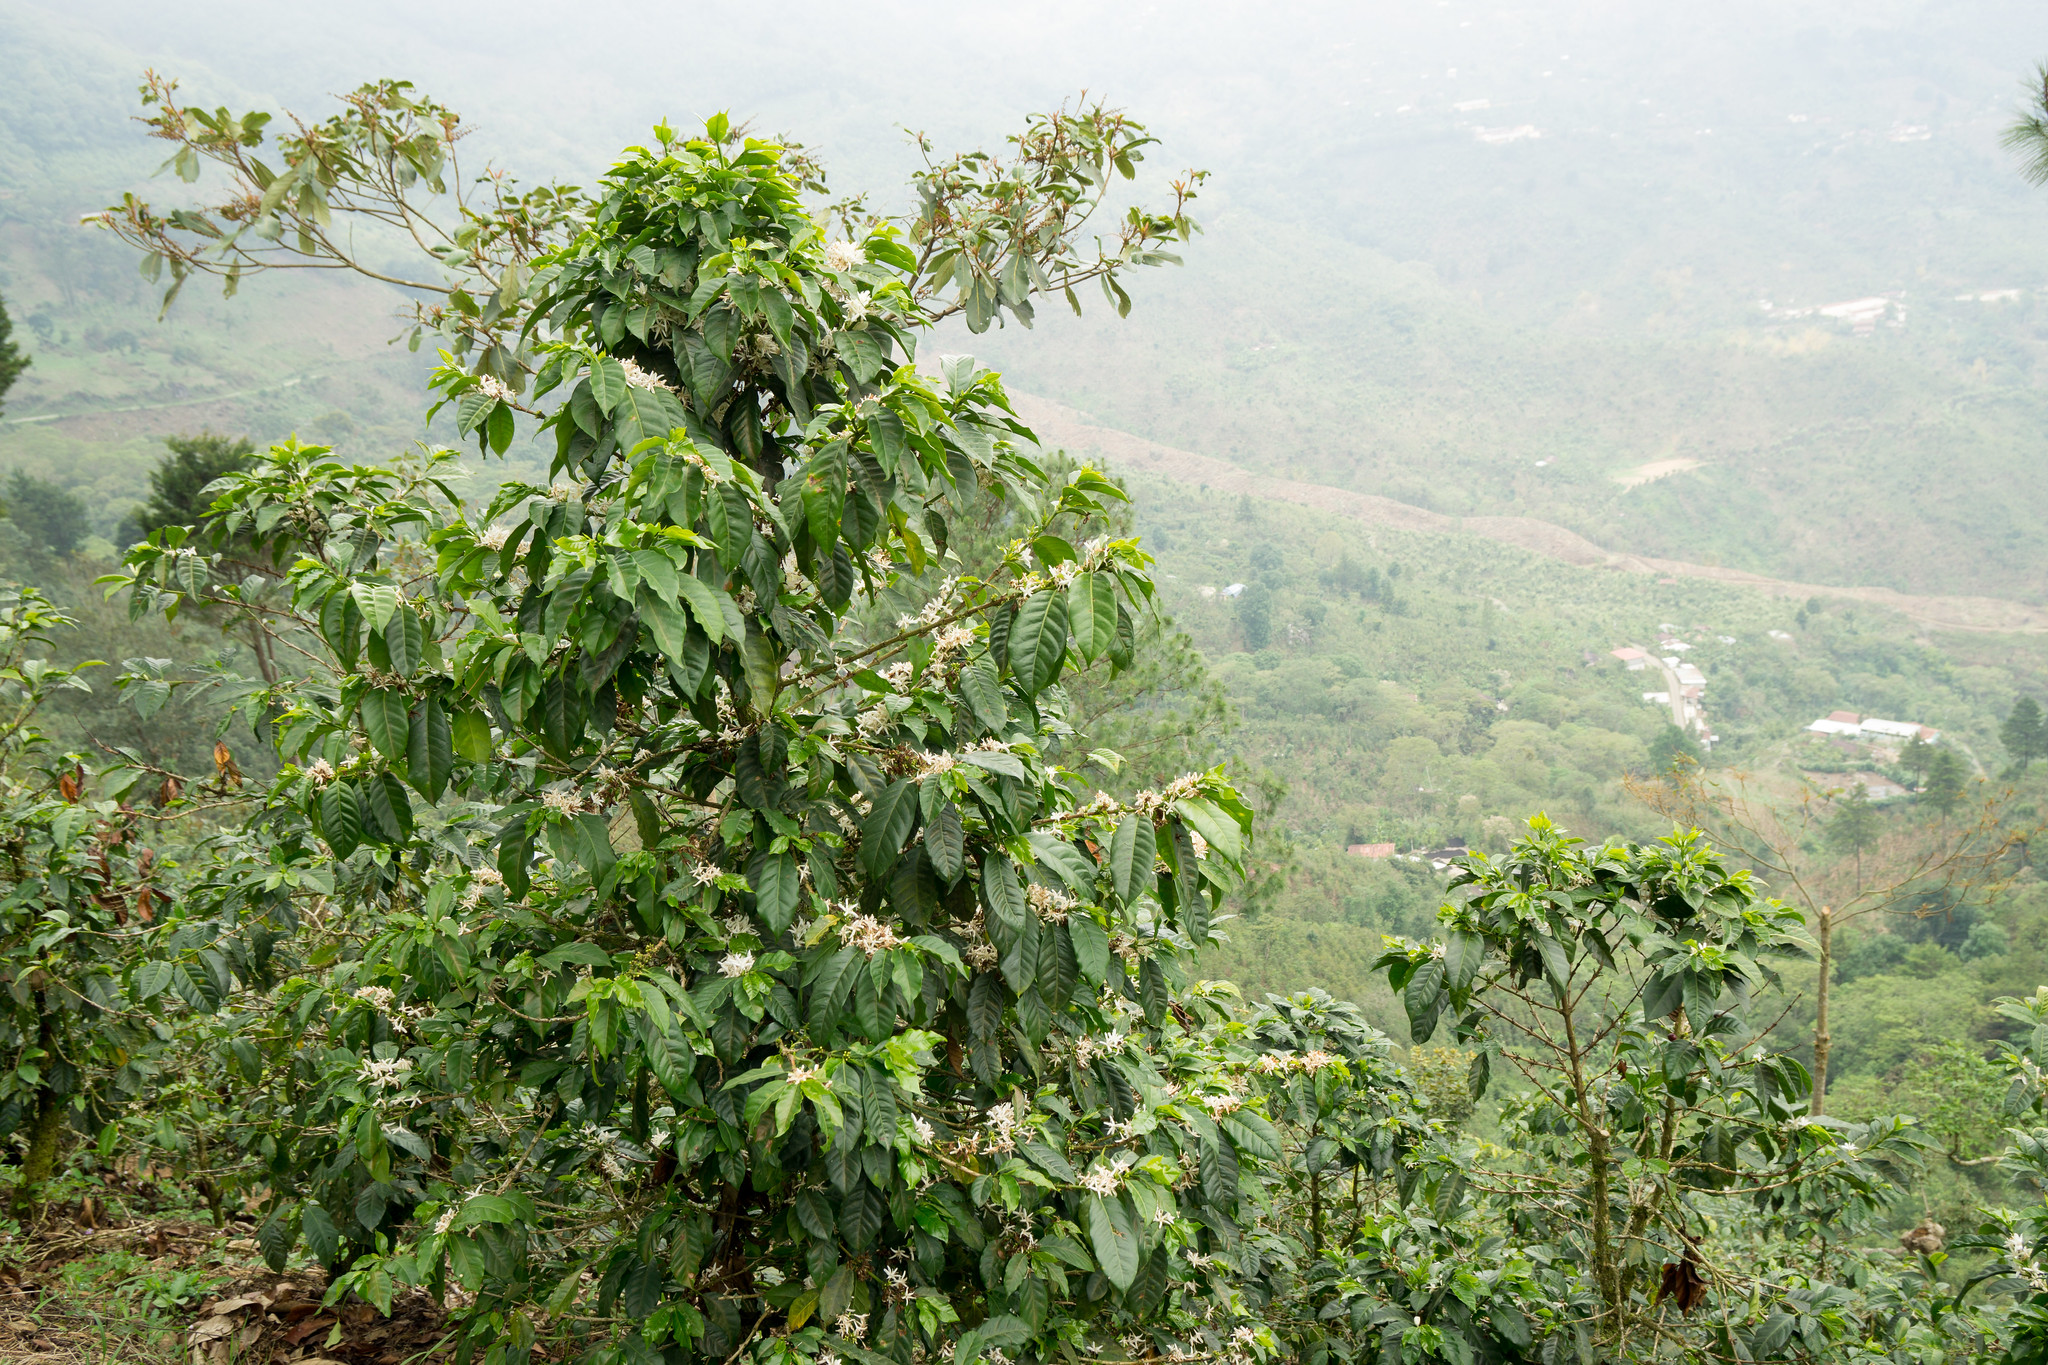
{"x": 158, "y": 1291}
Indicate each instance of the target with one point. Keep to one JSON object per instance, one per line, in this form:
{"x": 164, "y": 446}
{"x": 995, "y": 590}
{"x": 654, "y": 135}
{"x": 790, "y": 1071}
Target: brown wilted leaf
{"x": 67, "y": 787}
{"x": 169, "y": 791}
{"x": 1682, "y": 1284}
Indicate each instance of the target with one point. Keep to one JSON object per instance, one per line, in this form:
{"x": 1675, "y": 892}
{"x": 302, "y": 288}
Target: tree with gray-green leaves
{"x": 2024, "y": 734}
{"x": 13, "y": 360}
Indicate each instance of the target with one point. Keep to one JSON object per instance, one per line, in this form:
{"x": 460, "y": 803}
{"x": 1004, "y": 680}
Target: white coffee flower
{"x": 321, "y": 771}
{"x": 390, "y": 1075}
{"x": 642, "y": 379}
{"x": 843, "y": 256}
{"x": 736, "y": 964}
{"x": 492, "y": 387}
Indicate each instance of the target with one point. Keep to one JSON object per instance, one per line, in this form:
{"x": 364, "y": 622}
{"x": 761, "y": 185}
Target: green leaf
{"x": 1000, "y": 888}
{"x": 341, "y": 818}
{"x": 388, "y": 807}
{"x": 887, "y": 826}
{"x": 403, "y": 642}
{"x": 945, "y": 840}
{"x": 378, "y": 601}
{"x": 984, "y": 694}
{"x": 1038, "y": 641}
{"x": 430, "y": 752}
{"x": 1091, "y": 946}
{"x": 1091, "y": 614}
{"x": 1114, "y": 1240}
{"x": 777, "y": 889}
{"x": 384, "y": 721}
{"x": 608, "y": 384}
{"x": 703, "y": 604}
{"x": 1133, "y": 853}
{"x": 1423, "y": 999}
{"x": 824, "y": 494}
{"x": 1222, "y": 833}
{"x": 1252, "y": 1133}
{"x": 470, "y": 732}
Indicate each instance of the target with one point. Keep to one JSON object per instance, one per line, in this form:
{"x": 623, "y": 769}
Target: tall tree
{"x": 177, "y": 484}
{"x": 12, "y": 359}
{"x": 2024, "y": 734}
{"x": 1947, "y": 779}
{"x": 50, "y": 516}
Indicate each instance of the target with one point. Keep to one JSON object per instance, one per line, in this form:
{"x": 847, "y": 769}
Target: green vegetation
{"x": 755, "y": 863}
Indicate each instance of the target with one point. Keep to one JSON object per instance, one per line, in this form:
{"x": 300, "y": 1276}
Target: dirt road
{"x": 1062, "y": 426}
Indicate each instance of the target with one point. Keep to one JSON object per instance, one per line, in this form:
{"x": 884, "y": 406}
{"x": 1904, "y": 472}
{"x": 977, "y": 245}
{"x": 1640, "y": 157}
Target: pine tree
{"x": 2025, "y": 733}
{"x": 12, "y": 361}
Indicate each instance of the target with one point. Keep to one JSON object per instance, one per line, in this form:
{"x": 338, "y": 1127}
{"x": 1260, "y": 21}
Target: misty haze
{"x": 1331, "y": 684}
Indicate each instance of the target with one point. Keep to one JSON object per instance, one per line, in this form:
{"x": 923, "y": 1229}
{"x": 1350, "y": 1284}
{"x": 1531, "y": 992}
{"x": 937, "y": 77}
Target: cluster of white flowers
{"x": 1273, "y": 1063}
{"x": 447, "y": 1218}
{"x": 1000, "y": 1131}
{"x": 642, "y": 379}
{"x": 480, "y": 883}
{"x": 1050, "y": 904}
{"x": 897, "y": 675}
{"x": 738, "y": 924}
{"x": 1200, "y": 845}
{"x": 951, "y": 640}
{"x": 494, "y": 537}
{"x": 853, "y": 309}
{"x": 563, "y": 490}
{"x": 1183, "y": 788}
{"x": 1315, "y": 1059}
{"x": 567, "y": 802}
{"x": 921, "y": 1131}
{"x": 1103, "y": 1180}
{"x": 797, "y": 1075}
{"x": 931, "y": 765}
{"x": 378, "y": 998}
{"x": 492, "y": 387}
{"x": 868, "y": 934}
{"x": 843, "y": 256}
{"x": 321, "y": 771}
{"x": 390, "y": 1075}
{"x": 1063, "y": 574}
{"x": 736, "y": 964}
{"x": 852, "y": 1326}
{"x": 705, "y": 873}
{"x": 770, "y": 1276}
{"x": 609, "y": 1148}
{"x": 1219, "y": 1105}
{"x": 1245, "y": 1335}
{"x": 992, "y": 745}
{"x": 1088, "y": 1049}
{"x": 871, "y": 722}
{"x": 1163, "y": 1217}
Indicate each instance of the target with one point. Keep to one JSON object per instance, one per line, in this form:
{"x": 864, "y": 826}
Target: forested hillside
{"x": 615, "y": 803}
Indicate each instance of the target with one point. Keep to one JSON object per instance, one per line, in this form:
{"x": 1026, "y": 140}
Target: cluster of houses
{"x": 1685, "y": 686}
{"x": 1849, "y": 725}
{"x": 1438, "y": 858}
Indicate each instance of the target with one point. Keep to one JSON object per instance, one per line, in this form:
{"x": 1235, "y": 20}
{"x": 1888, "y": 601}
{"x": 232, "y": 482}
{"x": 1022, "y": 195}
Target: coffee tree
{"x": 704, "y": 974}
{"x": 1648, "y": 1111}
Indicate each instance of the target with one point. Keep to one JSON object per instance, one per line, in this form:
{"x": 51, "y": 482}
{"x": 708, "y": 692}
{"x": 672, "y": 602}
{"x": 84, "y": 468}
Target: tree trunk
{"x": 1606, "y": 1266}
{"x": 45, "y": 1128}
{"x": 1820, "y": 1022}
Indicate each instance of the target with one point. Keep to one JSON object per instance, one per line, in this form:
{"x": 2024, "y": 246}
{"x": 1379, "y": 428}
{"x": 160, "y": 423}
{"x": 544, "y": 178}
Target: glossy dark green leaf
{"x": 384, "y": 721}
{"x": 1038, "y": 641}
{"x": 430, "y": 753}
{"x": 887, "y": 826}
